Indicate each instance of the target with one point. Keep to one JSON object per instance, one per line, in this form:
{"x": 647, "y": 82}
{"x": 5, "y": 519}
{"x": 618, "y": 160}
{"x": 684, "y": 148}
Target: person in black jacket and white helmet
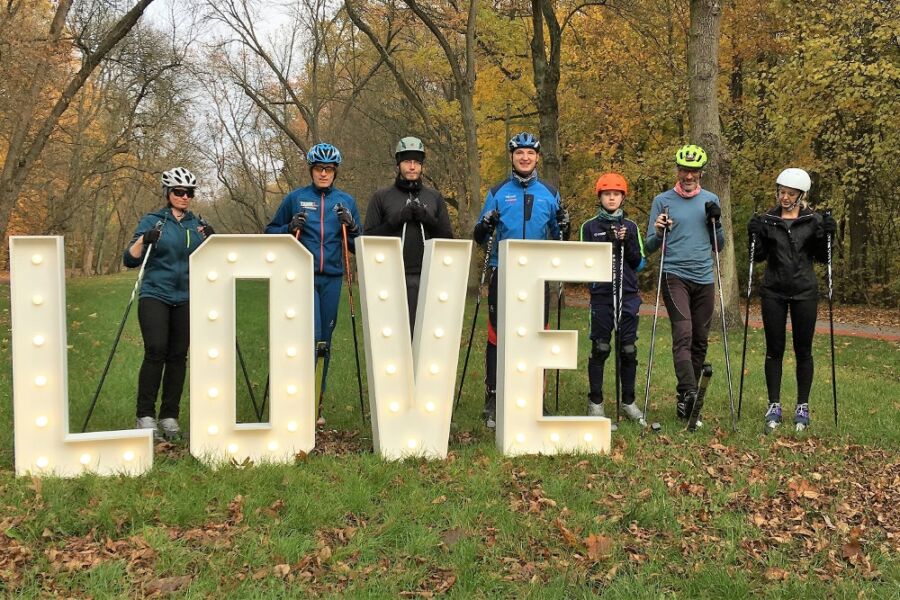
{"x": 411, "y": 211}
{"x": 790, "y": 237}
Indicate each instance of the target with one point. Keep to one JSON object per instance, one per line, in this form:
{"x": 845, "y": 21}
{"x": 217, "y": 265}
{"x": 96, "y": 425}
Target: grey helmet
{"x": 178, "y": 177}
{"x": 410, "y": 148}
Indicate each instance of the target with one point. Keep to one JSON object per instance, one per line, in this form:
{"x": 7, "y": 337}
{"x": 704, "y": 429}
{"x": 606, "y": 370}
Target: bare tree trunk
{"x": 703, "y": 70}
{"x": 546, "y": 83}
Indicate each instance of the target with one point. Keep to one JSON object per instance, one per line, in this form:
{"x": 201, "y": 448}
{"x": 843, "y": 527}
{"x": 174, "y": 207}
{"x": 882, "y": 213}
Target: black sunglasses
{"x": 181, "y": 193}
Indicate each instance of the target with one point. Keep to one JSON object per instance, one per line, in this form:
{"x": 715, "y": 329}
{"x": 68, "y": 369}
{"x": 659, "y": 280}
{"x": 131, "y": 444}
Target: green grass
{"x": 715, "y": 514}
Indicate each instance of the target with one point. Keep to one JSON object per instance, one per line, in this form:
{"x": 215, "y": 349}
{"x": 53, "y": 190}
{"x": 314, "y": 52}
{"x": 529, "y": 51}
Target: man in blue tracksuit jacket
{"x": 520, "y": 207}
{"x": 314, "y": 215}
{"x": 687, "y": 211}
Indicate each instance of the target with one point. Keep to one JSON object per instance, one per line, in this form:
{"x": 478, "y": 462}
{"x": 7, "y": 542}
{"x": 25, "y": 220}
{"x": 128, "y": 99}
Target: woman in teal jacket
{"x": 170, "y": 234}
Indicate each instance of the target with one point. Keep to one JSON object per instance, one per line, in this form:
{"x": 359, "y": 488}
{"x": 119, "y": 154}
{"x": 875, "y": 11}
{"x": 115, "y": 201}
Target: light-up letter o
{"x": 411, "y": 384}
{"x": 43, "y": 443}
{"x": 215, "y": 267}
{"x": 525, "y": 349}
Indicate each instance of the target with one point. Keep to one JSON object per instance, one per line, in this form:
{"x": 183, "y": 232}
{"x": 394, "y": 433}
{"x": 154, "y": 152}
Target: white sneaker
{"x": 147, "y": 423}
{"x": 170, "y": 429}
{"x": 634, "y": 413}
{"x": 596, "y": 410}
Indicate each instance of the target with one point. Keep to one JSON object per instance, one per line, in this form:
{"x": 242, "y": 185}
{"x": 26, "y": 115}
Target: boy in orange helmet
{"x": 614, "y": 305}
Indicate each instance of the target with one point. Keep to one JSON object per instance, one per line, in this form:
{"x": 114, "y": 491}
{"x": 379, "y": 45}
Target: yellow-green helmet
{"x": 691, "y": 157}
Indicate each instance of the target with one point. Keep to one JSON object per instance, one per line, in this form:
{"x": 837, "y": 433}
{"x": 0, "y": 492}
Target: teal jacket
{"x": 166, "y": 275}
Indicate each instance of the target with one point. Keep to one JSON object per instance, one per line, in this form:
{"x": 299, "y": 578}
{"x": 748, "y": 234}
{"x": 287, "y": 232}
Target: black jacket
{"x": 383, "y": 218}
{"x": 790, "y": 250}
{"x": 600, "y": 230}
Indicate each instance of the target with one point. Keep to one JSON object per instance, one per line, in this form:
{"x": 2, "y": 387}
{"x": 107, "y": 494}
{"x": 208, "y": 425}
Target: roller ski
{"x": 321, "y": 352}
{"x": 694, "y": 415}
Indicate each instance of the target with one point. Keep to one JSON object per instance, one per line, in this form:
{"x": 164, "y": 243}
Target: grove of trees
{"x": 97, "y": 97}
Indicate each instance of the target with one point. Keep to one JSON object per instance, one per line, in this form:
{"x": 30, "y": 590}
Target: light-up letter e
{"x": 43, "y": 443}
{"x": 411, "y": 385}
{"x": 525, "y": 349}
{"x": 215, "y": 434}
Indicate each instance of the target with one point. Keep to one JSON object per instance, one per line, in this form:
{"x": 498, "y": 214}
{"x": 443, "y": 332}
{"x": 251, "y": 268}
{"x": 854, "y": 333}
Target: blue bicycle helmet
{"x": 524, "y": 140}
{"x": 325, "y": 154}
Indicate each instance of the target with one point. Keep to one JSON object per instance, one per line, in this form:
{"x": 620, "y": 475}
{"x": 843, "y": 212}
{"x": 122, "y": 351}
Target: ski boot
{"x": 595, "y": 409}
{"x": 148, "y": 423}
{"x": 694, "y": 421}
{"x": 773, "y": 417}
{"x": 634, "y": 413}
{"x": 801, "y": 417}
{"x": 170, "y": 429}
{"x": 490, "y": 408}
{"x": 321, "y": 351}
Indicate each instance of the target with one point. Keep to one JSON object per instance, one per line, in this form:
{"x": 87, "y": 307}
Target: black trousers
{"x": 803, "y": 323}
{"x": 166, "y": 330}
{"x": 690, "y": 306}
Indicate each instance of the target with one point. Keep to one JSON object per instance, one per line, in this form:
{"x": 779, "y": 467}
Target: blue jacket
{"x": 600, "y": 230}
{"x": 509, "y": 199}
{"x": 322, "y": 233}
{"x": 166, "y": 275}
{"x": 688, "y": 243}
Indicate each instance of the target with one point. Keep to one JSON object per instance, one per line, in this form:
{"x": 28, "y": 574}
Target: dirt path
{"x": 872, "y": 332}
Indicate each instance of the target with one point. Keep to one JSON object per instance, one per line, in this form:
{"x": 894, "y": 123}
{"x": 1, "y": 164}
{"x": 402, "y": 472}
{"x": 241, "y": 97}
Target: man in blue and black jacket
{"x": 521, "y": 207}
{"x": 314, "y": 215}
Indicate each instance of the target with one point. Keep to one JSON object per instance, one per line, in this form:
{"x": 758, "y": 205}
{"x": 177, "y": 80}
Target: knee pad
{"x": 600, "y": 350}
{"x": 629, "y": 354}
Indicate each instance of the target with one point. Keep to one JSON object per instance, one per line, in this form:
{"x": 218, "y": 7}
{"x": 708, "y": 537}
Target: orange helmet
{"x": 612, "y": 181}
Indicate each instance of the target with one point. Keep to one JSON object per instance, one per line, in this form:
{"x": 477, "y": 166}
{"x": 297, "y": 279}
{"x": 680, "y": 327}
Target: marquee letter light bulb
{"x": 411, "y": 381}
{"x": 216, "y": 436}
{"x": 43, "y": 443}
{"x": 525, "y": 349}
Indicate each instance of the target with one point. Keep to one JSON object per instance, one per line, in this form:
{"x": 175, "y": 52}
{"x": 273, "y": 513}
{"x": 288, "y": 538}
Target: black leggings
{"x": 803, "y": 324}
{"x": 167, "y": 332}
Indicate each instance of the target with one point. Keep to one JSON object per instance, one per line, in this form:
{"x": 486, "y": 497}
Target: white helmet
{"x": 178, "y": 177}
{"x": 795, "y": 178}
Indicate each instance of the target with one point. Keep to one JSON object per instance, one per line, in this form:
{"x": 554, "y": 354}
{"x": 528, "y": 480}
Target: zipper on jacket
{"x": 322, "y": 233}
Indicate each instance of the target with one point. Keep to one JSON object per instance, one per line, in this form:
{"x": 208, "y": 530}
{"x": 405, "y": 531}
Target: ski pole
{"x": 662, "y": 261}
{"x": 349, "y": 274}
{"x": 484, "y": 270}
{"x": 617, "y": 323}
{"x": 831, "y": 325}
{"x": 746, "y": 325}
{"x": 724, "y": 325}
{"x": 247, "y": 381}
{"x": 112, "y": 352}
{"x": 559, "y": 303}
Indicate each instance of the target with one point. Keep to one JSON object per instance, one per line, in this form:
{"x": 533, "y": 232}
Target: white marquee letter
{"x": 43, "y": 443}
{"x": 525, "y": 349}
{"x": 215, "y": 266}
{"x": 411, "y": 386}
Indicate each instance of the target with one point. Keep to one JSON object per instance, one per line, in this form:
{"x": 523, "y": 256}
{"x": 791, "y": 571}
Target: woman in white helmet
{"x": 790, "y": 237}
{"x": 170, "y": 234}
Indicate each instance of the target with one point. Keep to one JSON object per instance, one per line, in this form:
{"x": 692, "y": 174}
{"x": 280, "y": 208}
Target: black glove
{"x": 205, "y": 229}
{"x": 407, "y": 213}
{"x": 345, "y": 217}
{"x": 829, "y": 225}
{"x": 151, "y": 236}
{"x": 564, "y": 222}
{"x": 297, "y": 223}
{"x": 490, "y": 220}
{"x": 713, "y": 211}
{"x": 756, "y": 227}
